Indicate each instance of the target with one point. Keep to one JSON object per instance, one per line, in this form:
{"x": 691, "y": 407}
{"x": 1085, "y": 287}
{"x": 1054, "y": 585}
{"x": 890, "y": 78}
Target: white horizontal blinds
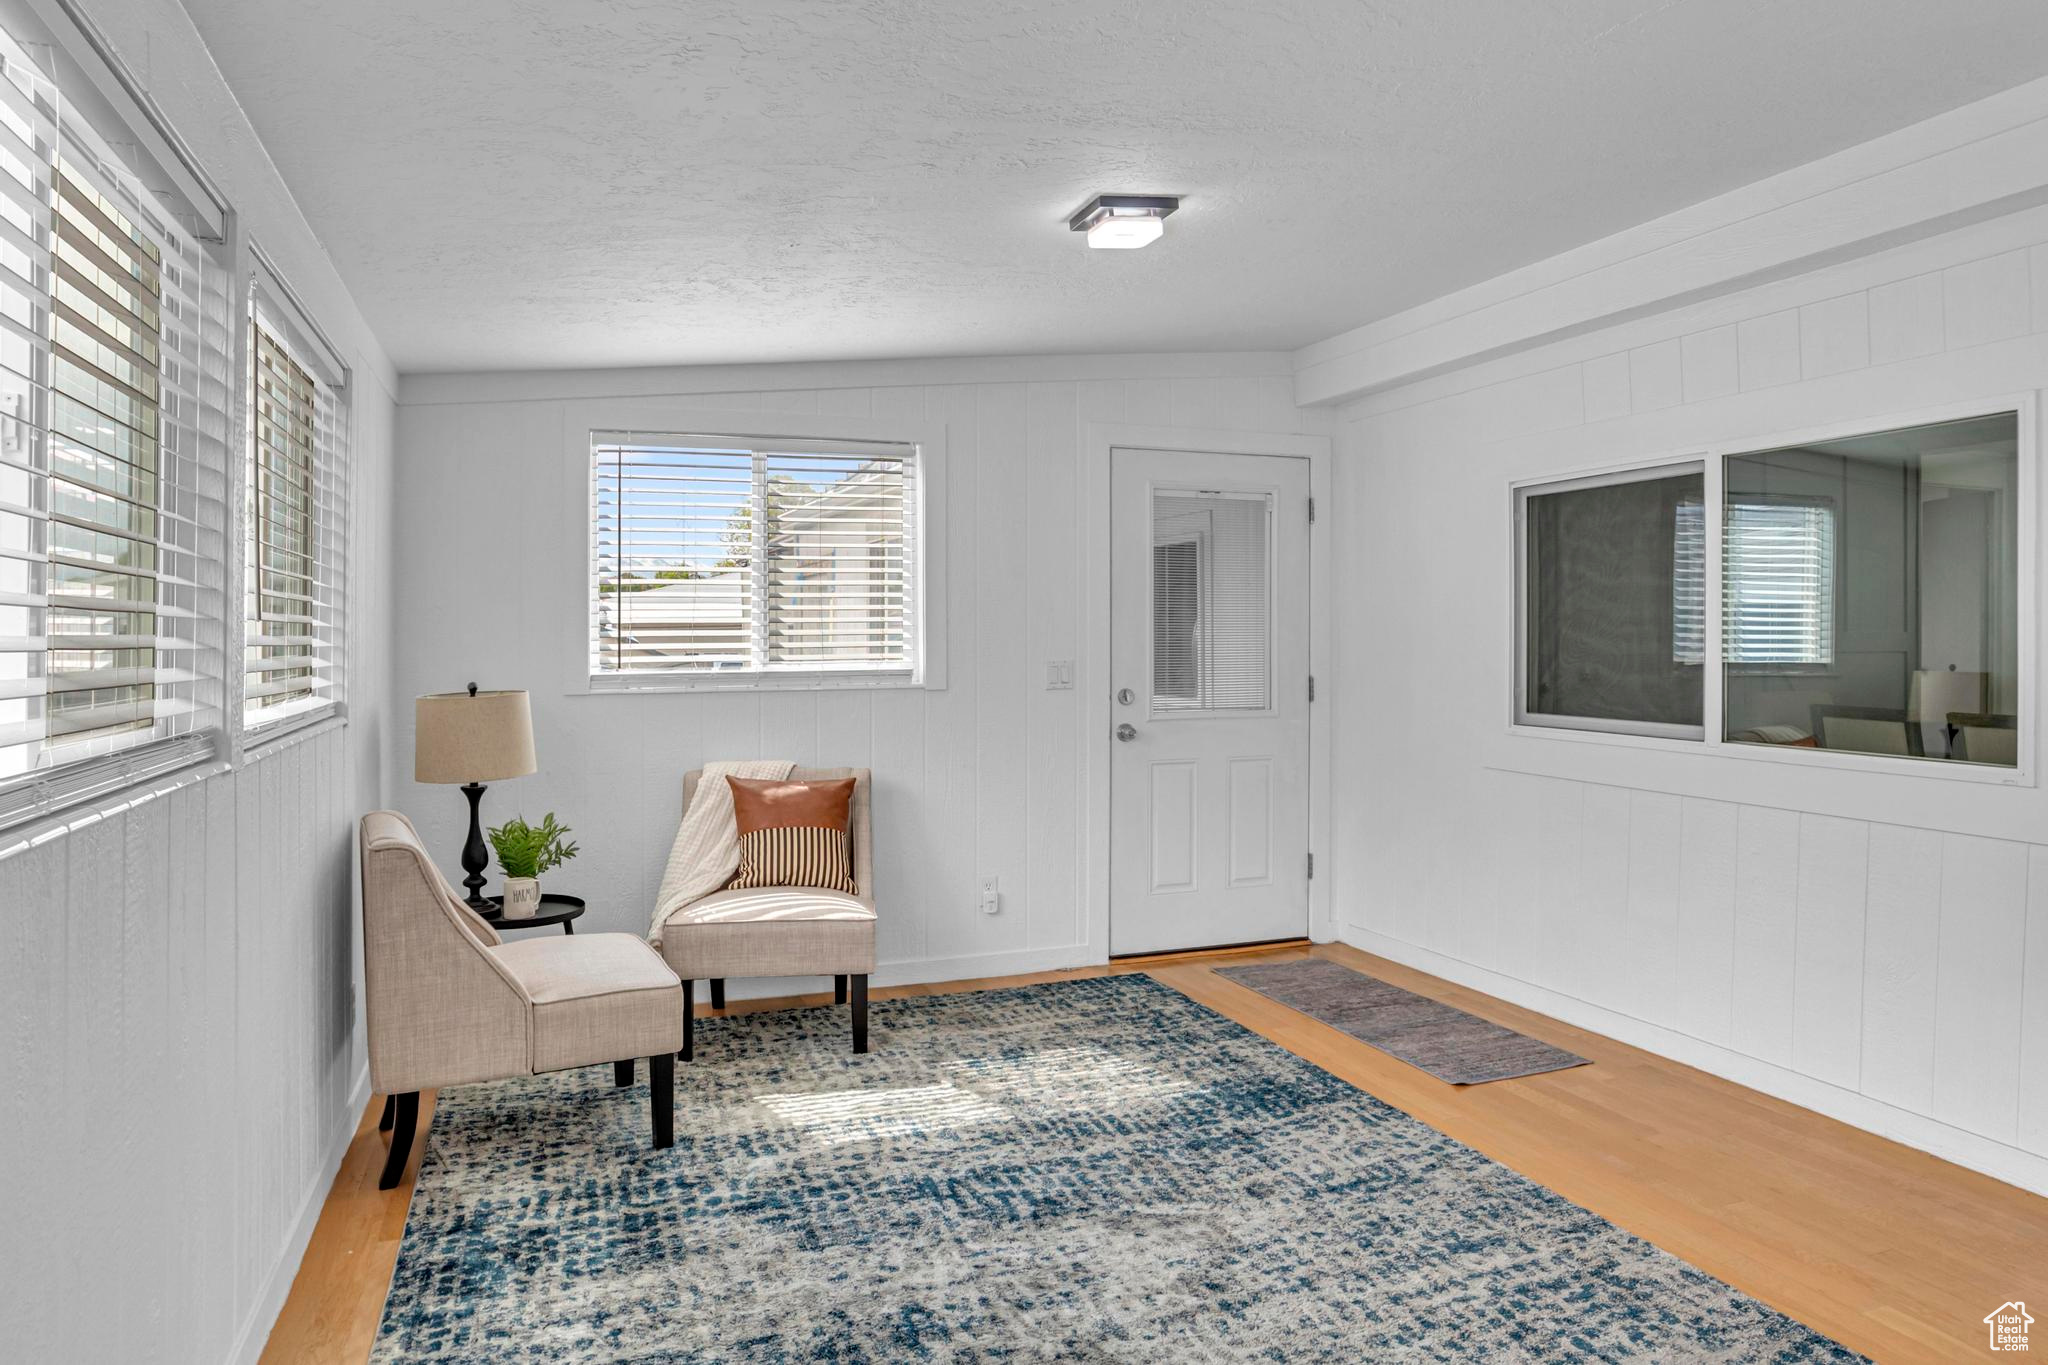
{"x": 1212, "y": 598}
{"x": 105, "y": 467}
{"x": 715, "y": 555}
{"x": 673, "y": 539}
{"x": 835, "y": 577}
{"x": 28, "y": 148}
{"x": 195, "y": 399}
{"x": 113, "y": 397}
{"x": 1689, "y": 583}
{"x": 292, "y": 570}
{"x": 1779, "y": 576}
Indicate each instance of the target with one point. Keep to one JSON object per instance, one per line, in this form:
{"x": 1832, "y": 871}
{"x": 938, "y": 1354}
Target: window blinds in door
{"x": 113, "y": 421}
{"x": 1212, "y": 602}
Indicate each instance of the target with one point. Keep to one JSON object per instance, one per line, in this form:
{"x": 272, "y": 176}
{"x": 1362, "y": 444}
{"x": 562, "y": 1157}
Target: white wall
{"x": 182, "y": 1060}
{"x": 982, "y": 777}
{"x": 1874, "y": 946}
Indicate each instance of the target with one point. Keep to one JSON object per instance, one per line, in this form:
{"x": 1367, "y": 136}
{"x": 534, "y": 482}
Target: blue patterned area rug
{"x": 1089, "y": 1170}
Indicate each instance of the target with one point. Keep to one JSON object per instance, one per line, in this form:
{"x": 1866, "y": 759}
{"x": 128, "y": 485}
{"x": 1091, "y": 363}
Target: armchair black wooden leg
{"x": 407, "y": 1119}
{"x": 689, "y": 1020}
{"x": 860, "y": 1011}
{"x": 390, "y": 1110}
{"x": 661, "y": 1083}
{"x": 622, "y": 1073}
{"x": 718, "y": 992}
{"x": 839, "y": 989}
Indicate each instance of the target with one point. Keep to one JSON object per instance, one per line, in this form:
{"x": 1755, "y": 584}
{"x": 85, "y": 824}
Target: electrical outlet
{"x": 991, "y": 899}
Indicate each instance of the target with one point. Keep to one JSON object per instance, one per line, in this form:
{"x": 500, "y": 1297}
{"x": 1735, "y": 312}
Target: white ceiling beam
{"x": 1970, "y": 164}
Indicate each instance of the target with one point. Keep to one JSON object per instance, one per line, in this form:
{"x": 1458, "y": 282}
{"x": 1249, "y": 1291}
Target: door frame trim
{"x": 1098, "y": 440}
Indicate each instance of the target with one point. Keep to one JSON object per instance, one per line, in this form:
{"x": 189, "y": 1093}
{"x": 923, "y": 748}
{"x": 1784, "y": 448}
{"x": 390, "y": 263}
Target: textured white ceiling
{"x": 515, "y": 183}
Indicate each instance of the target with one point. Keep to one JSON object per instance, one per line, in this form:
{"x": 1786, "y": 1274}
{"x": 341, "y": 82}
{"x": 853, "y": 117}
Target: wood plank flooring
{"x": 1890, "y": 1251}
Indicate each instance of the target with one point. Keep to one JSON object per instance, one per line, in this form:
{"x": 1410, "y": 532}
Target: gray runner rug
{"x": 1448, "y": 1043}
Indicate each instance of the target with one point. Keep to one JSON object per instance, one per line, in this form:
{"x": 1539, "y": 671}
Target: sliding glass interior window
{"x": 1871, "y": 593}
{"x": 1611, "y": 602}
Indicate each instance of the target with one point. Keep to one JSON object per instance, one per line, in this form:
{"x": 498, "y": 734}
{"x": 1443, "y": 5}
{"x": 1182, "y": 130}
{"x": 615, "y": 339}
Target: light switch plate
{"x": 1059, "y": 675}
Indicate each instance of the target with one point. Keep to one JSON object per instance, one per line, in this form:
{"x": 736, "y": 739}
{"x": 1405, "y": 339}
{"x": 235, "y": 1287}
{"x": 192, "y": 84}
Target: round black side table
{"x": 553, "y": 910}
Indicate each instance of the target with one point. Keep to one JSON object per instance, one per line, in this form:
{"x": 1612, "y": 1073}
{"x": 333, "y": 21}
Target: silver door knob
{"x": 1127, "y": 732}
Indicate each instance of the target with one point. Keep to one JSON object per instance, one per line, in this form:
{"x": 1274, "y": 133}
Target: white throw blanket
{"x": 706, "y": 852}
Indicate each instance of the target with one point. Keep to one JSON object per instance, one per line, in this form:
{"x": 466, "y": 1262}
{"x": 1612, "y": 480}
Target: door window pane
{"x": 1872, "y": 593}
{"x": 1212, "y": 628}
{"x": 1613, "y": 603}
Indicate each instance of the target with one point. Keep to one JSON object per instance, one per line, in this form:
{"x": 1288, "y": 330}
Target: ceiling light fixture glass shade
{"x": 1123, "y": 233}
{"x": 1123, "y": 221}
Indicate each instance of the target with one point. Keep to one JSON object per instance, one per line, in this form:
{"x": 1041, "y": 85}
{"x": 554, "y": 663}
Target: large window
{"x": 112, "y": 463}
{"x": 729, "y": 560}
{"x": 1867, "y": 600}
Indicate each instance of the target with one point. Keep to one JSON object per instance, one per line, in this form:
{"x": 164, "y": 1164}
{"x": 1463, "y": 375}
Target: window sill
{"x": 1838, "y": 759}
{"x": 260, "y": 741}
{"x": 91, "y": 810}
{"x": 628, "y": 684}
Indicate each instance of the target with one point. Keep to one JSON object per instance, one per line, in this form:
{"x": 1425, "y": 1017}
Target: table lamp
{"x": 472, "y": 738}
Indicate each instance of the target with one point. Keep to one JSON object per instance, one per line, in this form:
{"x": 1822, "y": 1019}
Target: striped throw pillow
{"x": 794, "y": 833}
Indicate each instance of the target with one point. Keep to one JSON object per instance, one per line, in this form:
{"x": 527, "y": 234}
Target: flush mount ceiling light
{"x": 1124, "y": 220}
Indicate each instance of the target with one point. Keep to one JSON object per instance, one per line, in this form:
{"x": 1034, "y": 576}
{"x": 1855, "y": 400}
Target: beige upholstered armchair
{"x": 782, "y": 931}
{"x": 449, "y": 1002}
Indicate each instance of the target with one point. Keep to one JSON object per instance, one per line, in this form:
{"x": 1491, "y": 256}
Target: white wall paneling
{"x": 980, "y": 777}
{"x": 183, "y": 1060}
{"x": 1865, "y": 942}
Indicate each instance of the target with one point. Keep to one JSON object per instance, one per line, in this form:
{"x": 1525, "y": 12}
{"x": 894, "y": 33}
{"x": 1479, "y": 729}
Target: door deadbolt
{"x": 1124, "y": 696}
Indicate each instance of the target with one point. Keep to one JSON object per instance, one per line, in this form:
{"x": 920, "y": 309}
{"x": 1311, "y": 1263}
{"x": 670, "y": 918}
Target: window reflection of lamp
{"x": 1936, "y": 692}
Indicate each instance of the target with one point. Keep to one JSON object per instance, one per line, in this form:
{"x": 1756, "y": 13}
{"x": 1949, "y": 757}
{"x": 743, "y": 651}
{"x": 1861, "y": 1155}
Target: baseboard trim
{"x": 255, "y": 1333}
{"x": 1985, "y": 1155}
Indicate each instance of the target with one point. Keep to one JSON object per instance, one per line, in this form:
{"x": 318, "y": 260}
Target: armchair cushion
{"x": 596, "y": 998}
{"x": 771, "y": 931}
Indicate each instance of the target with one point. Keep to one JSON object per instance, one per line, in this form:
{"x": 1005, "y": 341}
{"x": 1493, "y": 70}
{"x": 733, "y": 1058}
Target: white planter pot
{"x": 522, "y": 897}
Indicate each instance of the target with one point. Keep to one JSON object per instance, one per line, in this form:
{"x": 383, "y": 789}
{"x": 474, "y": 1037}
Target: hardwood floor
{"x": 1890, "y": 1251}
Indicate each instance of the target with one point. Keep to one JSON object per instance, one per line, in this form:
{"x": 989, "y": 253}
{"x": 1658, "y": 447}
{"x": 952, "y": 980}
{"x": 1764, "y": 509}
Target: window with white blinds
{"x": 1689, "y": 583}
{"x": 293, "y": 574}
{"x": 1778, "y": 563}
{"x": 113, "y": 417}
{"x": 735, "y": 560}
{"x": 1778, "y": 567}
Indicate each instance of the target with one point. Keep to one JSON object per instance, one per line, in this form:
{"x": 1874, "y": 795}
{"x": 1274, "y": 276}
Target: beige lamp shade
{"x": 472, "y": 737}
{"x": 1936, "y": 692}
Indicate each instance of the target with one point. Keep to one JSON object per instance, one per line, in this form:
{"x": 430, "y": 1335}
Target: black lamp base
{"x": 475, "y": 855}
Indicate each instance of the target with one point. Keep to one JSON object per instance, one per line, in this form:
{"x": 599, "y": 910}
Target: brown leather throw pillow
{"x": 794, "y": 833}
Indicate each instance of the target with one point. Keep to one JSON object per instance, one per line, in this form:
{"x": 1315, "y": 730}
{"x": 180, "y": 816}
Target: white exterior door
{"x": 1209, "y": 666}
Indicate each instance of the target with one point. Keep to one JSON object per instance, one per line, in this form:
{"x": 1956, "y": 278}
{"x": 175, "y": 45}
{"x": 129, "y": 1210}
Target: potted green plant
{"x": 524, "y": 853}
